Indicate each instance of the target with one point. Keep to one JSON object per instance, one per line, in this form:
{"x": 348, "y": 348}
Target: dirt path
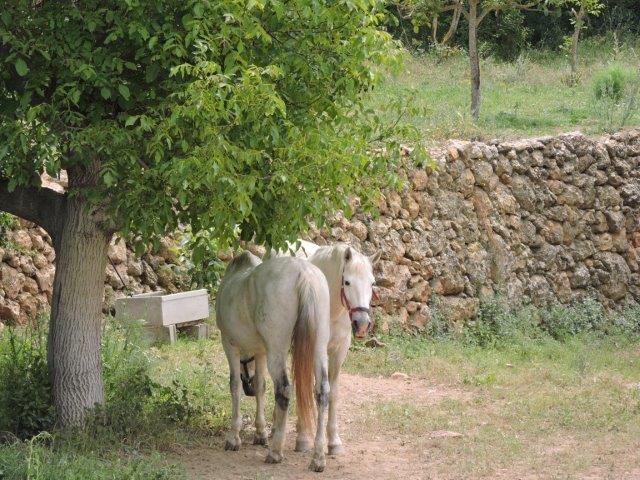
{"x": 370, "y": 451}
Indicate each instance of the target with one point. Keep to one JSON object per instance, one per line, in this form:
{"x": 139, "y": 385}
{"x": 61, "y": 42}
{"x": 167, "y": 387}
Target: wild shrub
{"x": 563, "y": 321}
{"x": 612, "y": 82}
{"x": 132, "y": 397}
{"x": 615, "y": 96}
{"x": 495, "y": 323}
{"x": 26, "y": 406}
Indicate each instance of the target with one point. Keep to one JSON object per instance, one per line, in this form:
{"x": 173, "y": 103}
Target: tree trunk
{"x": 474, "y": 60}
{"x": 76, "y": 309}
{"x": 574, "y": 40}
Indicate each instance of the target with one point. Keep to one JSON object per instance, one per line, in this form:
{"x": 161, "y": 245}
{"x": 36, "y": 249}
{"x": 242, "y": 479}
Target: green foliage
{"x": 528, "y": 97}
{"x": 7, "y": 223}
{"x": 199, "y": 256}
{"x": 25, "y": 390}
{"x": 506, "y": 36}
{"x": 133, "y": 399}
{"x": 218, "y": 114}
{"x": 494, "y": 325}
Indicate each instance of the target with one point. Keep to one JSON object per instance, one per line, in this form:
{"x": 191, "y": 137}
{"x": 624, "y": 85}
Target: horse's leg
{"x": 259, "y": 384}
{"x": 336, "y": 358}
{"x": 319, "y": 461}
{"x": 233, "y": 437}
{"x": 277, "y": 365}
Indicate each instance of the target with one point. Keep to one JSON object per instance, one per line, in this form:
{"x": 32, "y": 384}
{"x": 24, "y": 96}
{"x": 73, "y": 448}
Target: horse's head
{"x": 356, "y": 290}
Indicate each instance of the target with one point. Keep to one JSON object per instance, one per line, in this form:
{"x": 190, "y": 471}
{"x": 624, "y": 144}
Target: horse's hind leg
{"x": 322, "y": 400}
{"x": 258, "y": 381}
{"x": 277, "y": 365}
{"x": 233, "y": 437}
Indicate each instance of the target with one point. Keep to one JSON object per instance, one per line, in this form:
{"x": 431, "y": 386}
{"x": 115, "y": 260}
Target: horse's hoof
{"x": 260, "y": 440}
{"x": 336, "y": 449}
{"x": 231, "y": 446}
{"x": 273, "y": 458}
{"x": 303, "y": 446}
{"x": 317, "y": 465}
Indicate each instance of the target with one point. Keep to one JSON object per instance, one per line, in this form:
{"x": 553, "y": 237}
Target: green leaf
{"x": 124, "y": 91}
{"x": 105, "y": 93}
{"x": 21, "y": 67}
{"x": 152, "y": 72}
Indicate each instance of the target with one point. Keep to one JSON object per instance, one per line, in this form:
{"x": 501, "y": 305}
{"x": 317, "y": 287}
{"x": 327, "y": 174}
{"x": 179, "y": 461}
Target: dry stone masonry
{"x": 550, "y": 219}
{"x": 27, "y": 270}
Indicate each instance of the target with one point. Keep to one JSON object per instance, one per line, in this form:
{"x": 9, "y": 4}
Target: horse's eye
{"x": 347, "y": 283}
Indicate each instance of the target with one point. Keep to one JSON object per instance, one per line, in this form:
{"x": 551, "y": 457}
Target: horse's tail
{"x": 303, "y": 347}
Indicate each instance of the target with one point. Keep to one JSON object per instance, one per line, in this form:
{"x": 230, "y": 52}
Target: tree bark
{"x": 474, "y": 60}
{"x": 574, "y": 40}
{"x": 38, "y": 205}
{"x": 454, "y": 24}
{"x": 76, "y": 309}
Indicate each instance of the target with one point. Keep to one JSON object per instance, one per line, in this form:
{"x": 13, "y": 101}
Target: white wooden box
{"x": 164, "y": 313}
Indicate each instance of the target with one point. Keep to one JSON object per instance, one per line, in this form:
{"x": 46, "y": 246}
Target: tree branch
{"x": 41, "y": 206}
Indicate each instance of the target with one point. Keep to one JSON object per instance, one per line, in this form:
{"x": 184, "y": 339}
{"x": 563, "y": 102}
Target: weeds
{"x": 615, "y": 96}
{"x": 25, "y": 389}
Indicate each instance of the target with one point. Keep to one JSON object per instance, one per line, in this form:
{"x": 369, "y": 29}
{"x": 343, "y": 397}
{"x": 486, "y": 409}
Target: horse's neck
{"x": 330, "y": 261}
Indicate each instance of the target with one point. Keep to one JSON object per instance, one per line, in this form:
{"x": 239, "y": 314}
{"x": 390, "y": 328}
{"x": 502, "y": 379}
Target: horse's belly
{"x": 247, "y": 341}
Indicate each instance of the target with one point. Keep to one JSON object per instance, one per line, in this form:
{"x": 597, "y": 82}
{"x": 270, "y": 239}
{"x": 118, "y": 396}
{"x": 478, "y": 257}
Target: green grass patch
{"x": 531, "y": 96}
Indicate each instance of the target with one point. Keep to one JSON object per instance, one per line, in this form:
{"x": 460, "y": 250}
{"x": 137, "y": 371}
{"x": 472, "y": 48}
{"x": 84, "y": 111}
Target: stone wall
{"x": 27, "y": 270}
{"x": 551, "y": 219}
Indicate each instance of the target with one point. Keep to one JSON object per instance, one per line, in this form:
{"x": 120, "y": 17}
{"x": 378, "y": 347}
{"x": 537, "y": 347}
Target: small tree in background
{"x": 234, "y": 116}
{"x": 474, "y": 11}
{"x": 580, "y": 11}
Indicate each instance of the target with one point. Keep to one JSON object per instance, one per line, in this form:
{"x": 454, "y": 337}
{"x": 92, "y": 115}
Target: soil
{"x": 369, "y": 451}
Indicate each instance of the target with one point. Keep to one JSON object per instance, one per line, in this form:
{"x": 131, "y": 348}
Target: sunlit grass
{"x": 533, "y": 96}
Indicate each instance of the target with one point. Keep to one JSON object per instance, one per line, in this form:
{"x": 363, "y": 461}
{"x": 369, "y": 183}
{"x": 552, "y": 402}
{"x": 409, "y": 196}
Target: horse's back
{"x": 279, "y": 279}
{"x": 264, "y": 301}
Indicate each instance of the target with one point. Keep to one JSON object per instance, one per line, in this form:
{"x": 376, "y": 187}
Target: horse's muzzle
{"x": 360, "y": 325}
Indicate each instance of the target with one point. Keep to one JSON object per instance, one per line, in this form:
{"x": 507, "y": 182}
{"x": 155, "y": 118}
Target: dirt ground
{"x": 369, "y": 452}
{"x": 375, "y": 452}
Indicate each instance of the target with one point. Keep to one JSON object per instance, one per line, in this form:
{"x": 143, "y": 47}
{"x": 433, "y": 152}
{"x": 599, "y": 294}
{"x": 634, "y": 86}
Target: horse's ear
{"x": 375, "y": 258}
{"x": 347, "y": 254}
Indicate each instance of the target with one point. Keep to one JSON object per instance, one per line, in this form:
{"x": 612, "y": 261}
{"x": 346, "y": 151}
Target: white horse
{"x": 349, "y": 274}
{"x": 263, "y": 309}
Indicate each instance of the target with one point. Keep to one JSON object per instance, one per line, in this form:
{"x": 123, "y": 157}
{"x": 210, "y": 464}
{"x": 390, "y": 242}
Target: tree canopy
{"x": 218, "y": 114}
{"x": 245, "y": 118}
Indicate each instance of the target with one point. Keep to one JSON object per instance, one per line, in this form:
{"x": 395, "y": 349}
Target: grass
{"x": 525, "y": 404}
{"x": 541, "y": 407}
{"x": 533, "y": 96}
